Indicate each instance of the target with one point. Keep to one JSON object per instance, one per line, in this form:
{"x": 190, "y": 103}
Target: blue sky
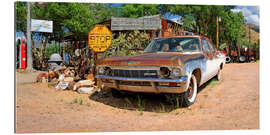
{"x": 251, "y": 13}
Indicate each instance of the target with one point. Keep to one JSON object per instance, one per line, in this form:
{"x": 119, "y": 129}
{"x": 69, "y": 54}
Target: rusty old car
{"x": 176, "y": 65}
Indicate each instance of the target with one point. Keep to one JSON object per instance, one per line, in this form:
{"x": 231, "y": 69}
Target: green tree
{"x": 202, "y": 20}
{"x": 20, "y": 16}
{"x": 79, "y": 21}
{"x": 233, "y": 31}
{"x": 139, "y": 10}
{"x": 199, "y": 18}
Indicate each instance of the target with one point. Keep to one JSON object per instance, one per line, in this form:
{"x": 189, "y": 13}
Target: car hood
{"x": 149, "y": 59}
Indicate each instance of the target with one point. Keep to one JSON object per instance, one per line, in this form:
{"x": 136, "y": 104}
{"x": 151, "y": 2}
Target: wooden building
{"x": 155, "y": 26}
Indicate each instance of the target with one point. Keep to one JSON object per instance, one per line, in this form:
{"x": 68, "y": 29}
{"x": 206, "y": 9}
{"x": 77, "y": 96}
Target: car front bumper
{"x": 154, "y": 86}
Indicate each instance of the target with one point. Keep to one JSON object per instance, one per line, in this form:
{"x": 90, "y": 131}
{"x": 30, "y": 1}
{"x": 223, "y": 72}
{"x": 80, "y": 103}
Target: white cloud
{"x": 251, "y": 13}
{"x": 254, "y": 19}
{"x": 236, "y": 10}
{"x": 246, "y": 11}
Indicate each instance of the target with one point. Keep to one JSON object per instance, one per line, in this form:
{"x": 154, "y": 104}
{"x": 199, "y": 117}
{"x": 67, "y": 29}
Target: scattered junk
{"x": 42, "y": 77}
{"x": 228, "y": 59}
{"x": 85, "y": 90}
{"x": 66, "y": 78}
{"x": 242, "y": 59}
{"x": 67, "y": 67}
{"x": 61, "y": 85}
{"x": 55, "y": 61}
{"x": 83, "y": 83}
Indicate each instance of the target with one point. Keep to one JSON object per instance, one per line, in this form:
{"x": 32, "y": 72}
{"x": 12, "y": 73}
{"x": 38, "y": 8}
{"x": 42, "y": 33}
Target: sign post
{"x": 99, "y": 39}
{"x": 42, "y": 26}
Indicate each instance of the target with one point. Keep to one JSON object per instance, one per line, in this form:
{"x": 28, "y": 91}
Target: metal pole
{"x": 248, "y": 35}
{"x": 248, "y": 41}
{"x": 29, "y": 45}
{"x": 217, "y": 33}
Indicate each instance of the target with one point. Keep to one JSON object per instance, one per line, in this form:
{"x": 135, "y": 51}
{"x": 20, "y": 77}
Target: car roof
{"x": 199, "y": 36}
{"x": 183, "y": 36}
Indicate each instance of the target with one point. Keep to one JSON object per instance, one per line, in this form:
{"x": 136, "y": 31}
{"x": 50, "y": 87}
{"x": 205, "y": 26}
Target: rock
{"x": 83, "y": 83}
{"x": 85, "y": 90}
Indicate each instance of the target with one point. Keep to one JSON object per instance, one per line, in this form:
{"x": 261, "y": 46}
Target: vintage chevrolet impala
{"x": 168, "y": 65}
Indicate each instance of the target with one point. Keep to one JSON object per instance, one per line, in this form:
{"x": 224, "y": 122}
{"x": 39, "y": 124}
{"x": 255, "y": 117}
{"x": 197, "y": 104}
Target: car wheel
{"x": 190, "y": 95}
{"x": 116, "y": 93}
{"x": 218, "y": 76}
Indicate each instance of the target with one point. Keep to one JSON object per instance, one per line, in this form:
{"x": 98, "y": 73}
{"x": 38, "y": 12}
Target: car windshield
{"x": 177, "y": 44}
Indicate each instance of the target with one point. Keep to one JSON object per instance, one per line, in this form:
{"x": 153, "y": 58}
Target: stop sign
{"x": 99, "y": 38}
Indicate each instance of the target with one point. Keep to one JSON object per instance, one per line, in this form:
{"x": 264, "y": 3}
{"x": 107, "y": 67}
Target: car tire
{"x": 218, "y": 76}
{"x": 116, "y": 93}
{"x": 189, "y": 97}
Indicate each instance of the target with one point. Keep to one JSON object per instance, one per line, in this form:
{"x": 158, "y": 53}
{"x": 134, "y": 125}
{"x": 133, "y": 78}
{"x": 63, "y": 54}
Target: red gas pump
{"x": 23, "y": 54}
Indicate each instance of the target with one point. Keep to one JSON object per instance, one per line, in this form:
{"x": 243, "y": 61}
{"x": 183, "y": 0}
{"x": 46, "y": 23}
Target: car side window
{"x": 211, "y": 47}
{"x": 205, "y": 46}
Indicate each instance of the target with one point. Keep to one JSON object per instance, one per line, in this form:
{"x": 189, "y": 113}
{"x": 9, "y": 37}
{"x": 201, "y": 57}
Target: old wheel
{"x": 218, "y": 76}
{"x": 190, "y": 95}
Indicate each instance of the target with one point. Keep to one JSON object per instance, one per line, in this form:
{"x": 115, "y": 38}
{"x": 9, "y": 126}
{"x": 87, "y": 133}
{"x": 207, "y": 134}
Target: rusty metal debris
{"x": 42, "y": 77}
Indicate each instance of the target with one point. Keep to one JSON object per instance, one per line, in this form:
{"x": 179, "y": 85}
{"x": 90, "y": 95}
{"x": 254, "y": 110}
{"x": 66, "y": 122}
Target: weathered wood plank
{"x": 142, "y": 23}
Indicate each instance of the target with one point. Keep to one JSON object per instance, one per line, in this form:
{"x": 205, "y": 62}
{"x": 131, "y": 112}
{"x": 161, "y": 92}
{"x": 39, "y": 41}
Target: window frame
{"x": 203, "y": 46}
{"x": 212, "y": 49}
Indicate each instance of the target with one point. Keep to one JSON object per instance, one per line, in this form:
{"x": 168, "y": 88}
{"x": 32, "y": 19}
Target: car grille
{"x": 135, "y": 73}
{"x": 135, "y": 83}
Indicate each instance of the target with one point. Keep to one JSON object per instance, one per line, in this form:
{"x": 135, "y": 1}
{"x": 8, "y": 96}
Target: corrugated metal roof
{"x": 142, "y": 23}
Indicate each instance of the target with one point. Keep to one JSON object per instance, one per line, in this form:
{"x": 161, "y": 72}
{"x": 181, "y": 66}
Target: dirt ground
{"x": 232, "y": 103}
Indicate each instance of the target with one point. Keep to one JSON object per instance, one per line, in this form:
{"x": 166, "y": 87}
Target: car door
{"x": 214, "y": 59}
{"x": 209, "y": 70}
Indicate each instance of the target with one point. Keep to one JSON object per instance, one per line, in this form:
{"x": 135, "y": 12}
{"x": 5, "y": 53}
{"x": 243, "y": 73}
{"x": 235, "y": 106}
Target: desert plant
{"x": 213, "y": 82}
{"x": 177, "y": 102}
{"x": 81, "y": 101}
{"x": 128, "y": 101}
{"x": 163, "y": 109}
{"x": 140, "y": 105}
{"x": 75, "y": 101}
{"x": 128, "y": 44}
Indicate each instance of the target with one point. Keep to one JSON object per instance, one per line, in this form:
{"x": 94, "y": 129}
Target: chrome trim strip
{"x": 136, "y": 67}
{"x": 182, "y": 79}
{"x": 147, "y": 89}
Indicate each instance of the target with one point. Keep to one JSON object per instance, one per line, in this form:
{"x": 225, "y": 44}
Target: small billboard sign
{"x": 41, "y": 25}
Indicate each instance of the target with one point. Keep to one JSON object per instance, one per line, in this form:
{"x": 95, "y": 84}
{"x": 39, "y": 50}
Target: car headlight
{"x": 108, "y": 71}
{"x": 164, "y": 72}
{"x": 176, "y": 72}
{"x": 101, "y": 70}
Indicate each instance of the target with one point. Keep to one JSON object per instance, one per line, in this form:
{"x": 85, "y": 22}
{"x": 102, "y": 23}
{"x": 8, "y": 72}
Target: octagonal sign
{"x": 100, "y": 38}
